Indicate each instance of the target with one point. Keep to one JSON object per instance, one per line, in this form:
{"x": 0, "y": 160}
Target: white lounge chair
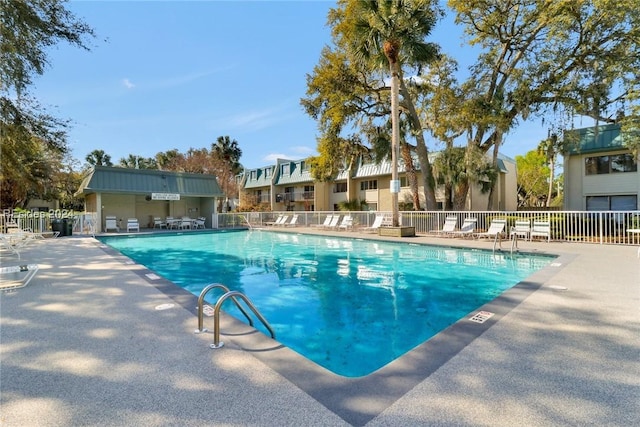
{"x": 132, "y": 224}
{"x": 521, "y": 229}
{"x": 327, "y": 221}
{"x": 292, "y": 223}
{"x": 17, "y": 276}
{"x": 334, "y": 222}
{"x": 541, "y": 229}
{"x": 449, "y": 226}
{"x": 159, "y": 223}
{"x": 467, "y": 229}
{"x": 377, "y": 223}
{"x": 495, "y": 231}
{"x": 346, "y": 223}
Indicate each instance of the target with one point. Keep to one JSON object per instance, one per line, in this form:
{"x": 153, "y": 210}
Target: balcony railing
{"x": 296, "y": 196}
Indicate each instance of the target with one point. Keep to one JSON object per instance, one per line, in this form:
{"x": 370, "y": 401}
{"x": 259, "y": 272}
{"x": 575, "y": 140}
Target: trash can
{"x": 67, "y": 224}
{"x": 56, "y": 225}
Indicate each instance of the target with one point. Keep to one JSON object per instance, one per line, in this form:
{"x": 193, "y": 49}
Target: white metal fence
{"x": 602, "y": 227}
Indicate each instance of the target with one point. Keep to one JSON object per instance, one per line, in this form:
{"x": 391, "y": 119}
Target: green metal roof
{"x": 261, "y": 177}
{"x": 103, "y": 179}
{"x": 594, "y": 139}
{"x": 295, "y": 173}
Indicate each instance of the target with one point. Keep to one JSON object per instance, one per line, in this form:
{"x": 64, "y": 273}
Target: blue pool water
{"x": 351, "y": 306}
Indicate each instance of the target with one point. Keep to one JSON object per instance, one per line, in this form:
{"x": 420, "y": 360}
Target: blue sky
{"x": 179, "y": 74}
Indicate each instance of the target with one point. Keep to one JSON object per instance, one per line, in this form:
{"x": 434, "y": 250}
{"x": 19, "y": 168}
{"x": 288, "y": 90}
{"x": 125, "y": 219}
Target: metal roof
{"x": 104, "y": 179}
{"x": 594, "y": 139}
{"x": 261, "y": 177}
{"x": 292, "y": 172}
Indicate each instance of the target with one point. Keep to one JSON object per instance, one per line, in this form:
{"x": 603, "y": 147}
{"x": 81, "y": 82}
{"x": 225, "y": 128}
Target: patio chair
{"x": 327, "y": 221}
{"x": 276, "y": 222}
{"x": 132, "y": 224}
{"x": 522, "y": 228}
{"x": 200, "y": 222}
{"x": 346, "y": 223}
{"x": 333, "y": 223}
{"x": 17, "y": 276}
{"x": 292, "y": 223}
{"x": 541, "y": 229}
{"x": 159, "y": 223}
{"x": 495, "y": 231}
{"x": 377, "y": 223}
{"x": 111, "y": 223}
{"x": 186, "y": 222}
{"x": 468, "y": 228}
{"x": 449, "y": 226}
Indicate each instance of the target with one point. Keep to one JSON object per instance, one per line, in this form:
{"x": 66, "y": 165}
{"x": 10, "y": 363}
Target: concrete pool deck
{"x": 93, "y": 341}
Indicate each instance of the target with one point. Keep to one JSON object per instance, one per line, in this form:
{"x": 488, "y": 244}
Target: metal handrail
{"x": 216, "y": 317}
{"x": 201, "y": 305}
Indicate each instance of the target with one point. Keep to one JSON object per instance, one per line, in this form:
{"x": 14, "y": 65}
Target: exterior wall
{"x": 578, "y": 186}
{"x": 509, "y": 188}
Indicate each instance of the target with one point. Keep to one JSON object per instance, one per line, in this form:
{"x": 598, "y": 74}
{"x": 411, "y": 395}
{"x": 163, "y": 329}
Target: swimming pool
{"x": 350, "y": 305}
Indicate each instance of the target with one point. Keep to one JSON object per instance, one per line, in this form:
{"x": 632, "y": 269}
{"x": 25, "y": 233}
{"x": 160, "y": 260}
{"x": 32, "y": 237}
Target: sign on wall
{"x": 165, "y": 196}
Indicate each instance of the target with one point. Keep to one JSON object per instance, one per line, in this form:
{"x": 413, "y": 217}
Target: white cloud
{"x": 303, "y": 150}
{"x": 275, "y": 156}
{"x": 127, "y": 83}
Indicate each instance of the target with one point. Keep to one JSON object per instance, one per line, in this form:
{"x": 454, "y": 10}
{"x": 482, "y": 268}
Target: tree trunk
{"x": 395, "y": 139}
{"x": 494, "y": 163}
{"x": 411, "y": 175}
{"x": 428, "y": 182}
{"x": 552, "y": 165}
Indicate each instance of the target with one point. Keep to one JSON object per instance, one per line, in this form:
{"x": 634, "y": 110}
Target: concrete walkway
{"x": 92, "y": 341}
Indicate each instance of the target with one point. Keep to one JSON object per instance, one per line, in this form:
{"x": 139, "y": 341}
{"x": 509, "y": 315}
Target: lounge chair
{"x": 448, "y": 227}
{"x": 468, "y": 228}
{"x": 377, "y": 223}
{"x": 159, "y": 223}
{"x": 111, "y": 223}
{"x": 281, "y": 220}
{"x": 17, "y": 276}
{"x": 522, "y": 228}
{"x": 541, "y": 229}
{"x": 333, "y": 223}
{"x": 133, "y": 225}
{"x": 13, "y": 242}
{"x": 346, "y": 223}
{"x": 327, "y": 221}
{"x": 292, "y": 223}
{"x": 495, "y": 231}
{"x": 276, "y": 222}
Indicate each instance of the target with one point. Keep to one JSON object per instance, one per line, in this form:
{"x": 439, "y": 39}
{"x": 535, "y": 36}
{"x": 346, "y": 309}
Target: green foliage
{"x": 33, "y": 141}
{"x": 532, "y": 179}
{"x": 353, "y": 205}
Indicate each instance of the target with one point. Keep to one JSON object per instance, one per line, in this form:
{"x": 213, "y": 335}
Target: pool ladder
{"x": 216, "y": 312}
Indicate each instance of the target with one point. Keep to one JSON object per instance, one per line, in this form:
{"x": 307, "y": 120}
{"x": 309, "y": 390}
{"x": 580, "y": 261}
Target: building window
{"x": 304, "y": 166}
{"x": 253, "y": 175}
{"x": 404, "y": 182}
{"x": 284, "y": 169}
{"x": 308, "y": 192}
{"x": 340, "y": 187}
{"x": 598, "y": 165}
{"x": 623, "y": 163}
{"x": 267, "y": 172}
{"x": 612, "y": 203}
{"x": 369, "y": 185}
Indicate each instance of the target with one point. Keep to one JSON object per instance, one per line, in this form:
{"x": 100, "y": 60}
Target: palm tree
{"x": 550, "y": 148}
{"x": 228, "y": 151}
{"x": 389, "y": 34}
{"x": 98, "y": 158}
